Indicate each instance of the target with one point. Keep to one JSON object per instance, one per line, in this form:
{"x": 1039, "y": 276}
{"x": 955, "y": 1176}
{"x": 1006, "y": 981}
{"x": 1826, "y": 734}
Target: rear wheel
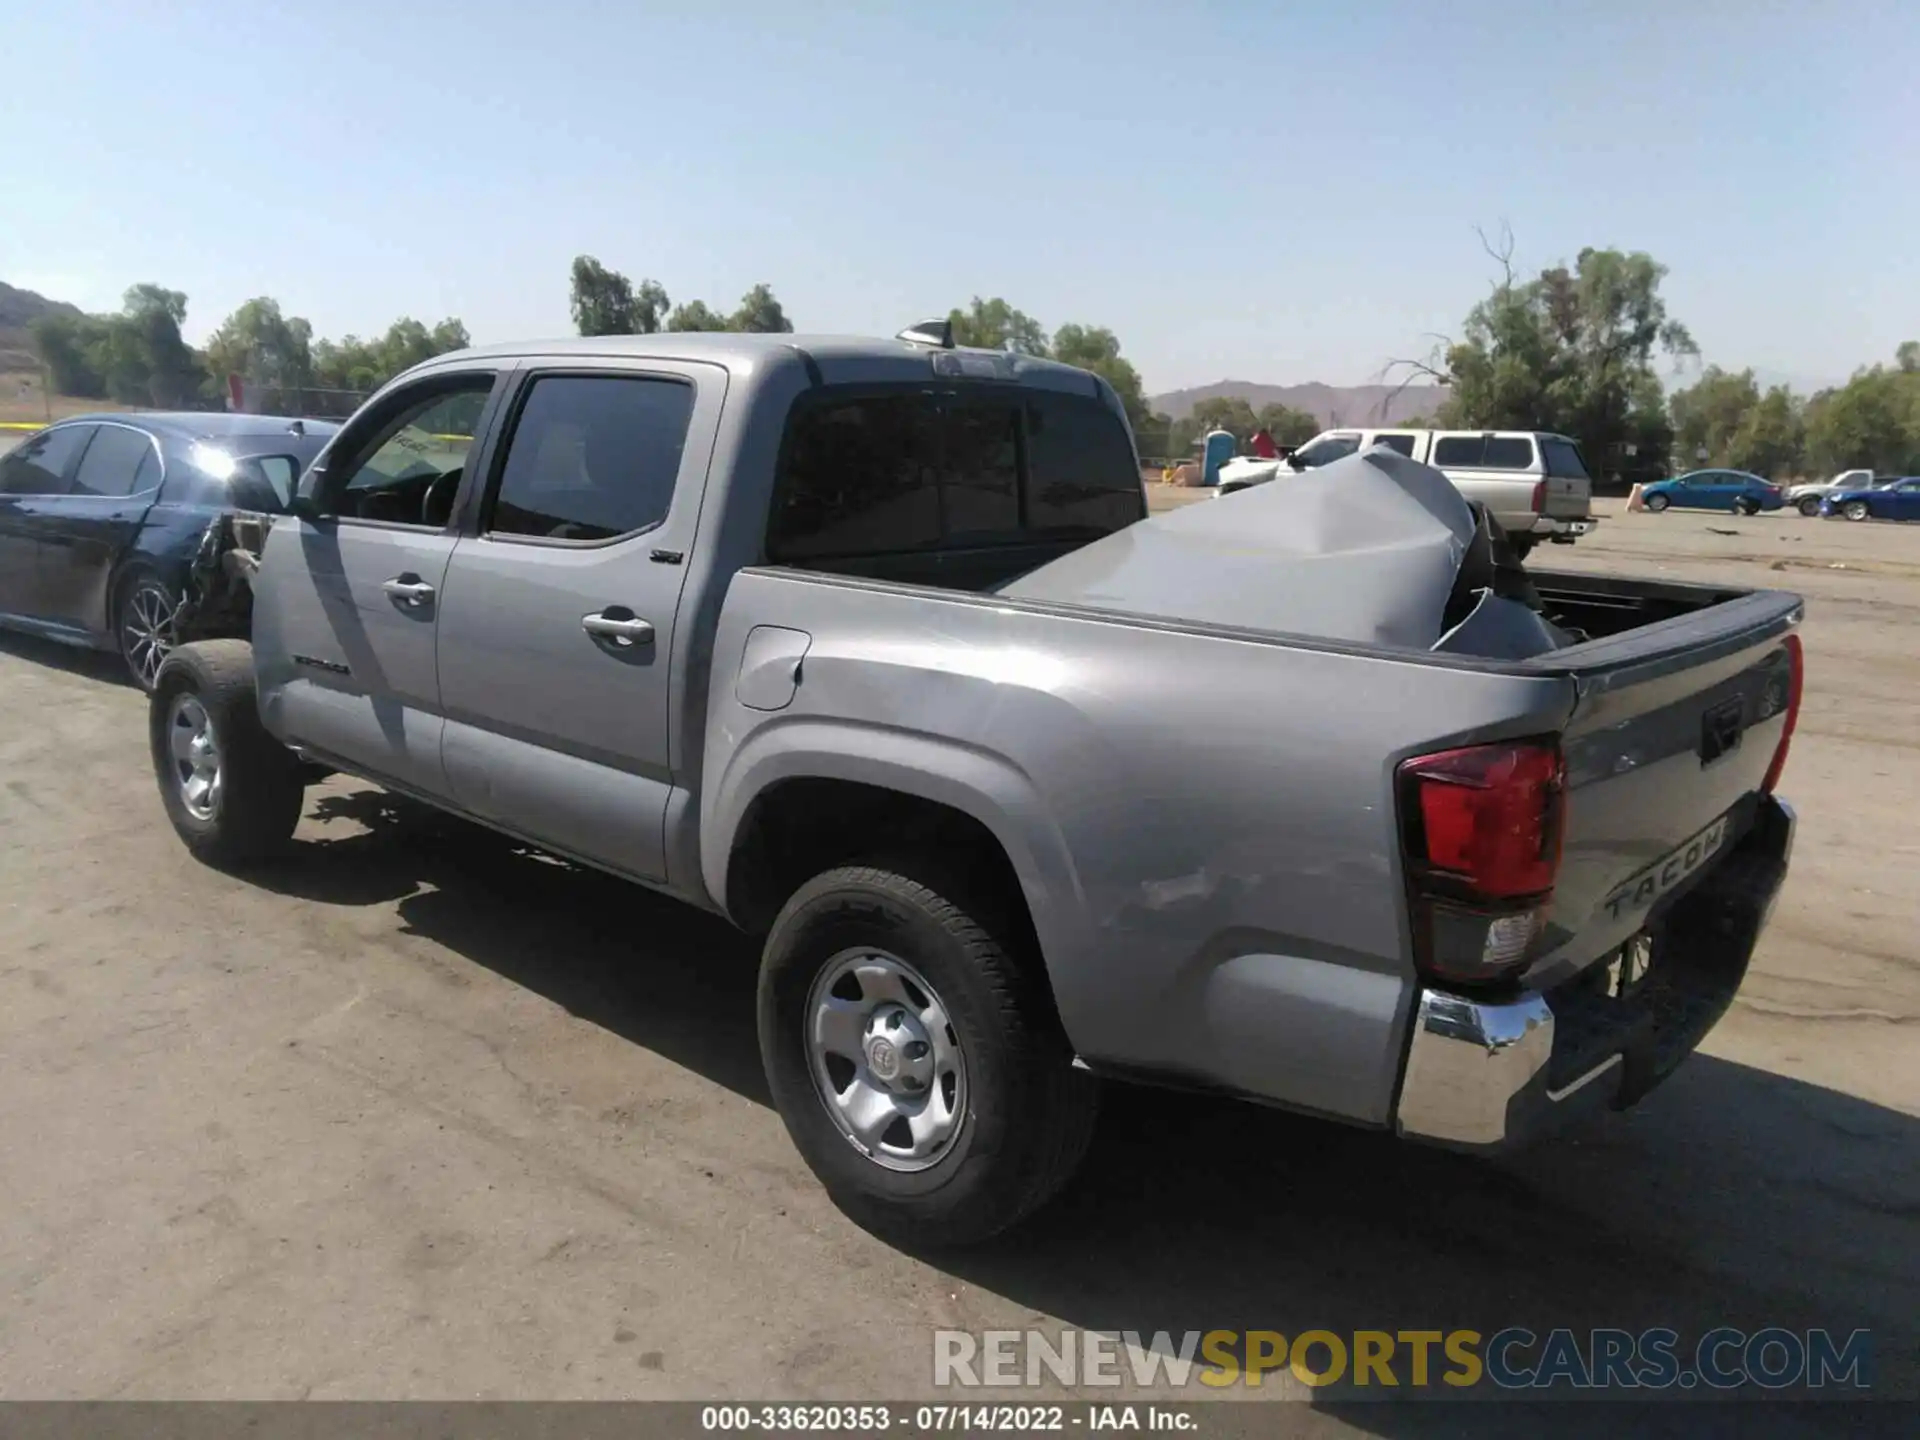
{"x": 1810, "y": 507}
{"x": 232, "y": 791}
{"x": 1746, "y": 505}
{"x": 1855, "y": 510}
{"x": 914, "y": 1054}
{"x": 1657, "y": 503}
{"x": 143, "y": 626}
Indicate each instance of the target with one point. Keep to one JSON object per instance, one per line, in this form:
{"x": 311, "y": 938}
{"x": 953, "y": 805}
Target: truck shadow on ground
{"x": 1733, "y": 1196}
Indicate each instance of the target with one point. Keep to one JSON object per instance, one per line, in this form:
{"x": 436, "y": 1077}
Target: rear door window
{"x": 112, "y": 462}
{"x": 593, "y": 457}
{"x": 1465, "y": 452}
{"x": 1508, "y": 452}
{"x": 1563, "y": 460}
{"x": 40, "y": 466}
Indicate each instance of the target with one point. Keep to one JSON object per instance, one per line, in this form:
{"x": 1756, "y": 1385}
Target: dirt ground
{"x": 424, "y": 1115}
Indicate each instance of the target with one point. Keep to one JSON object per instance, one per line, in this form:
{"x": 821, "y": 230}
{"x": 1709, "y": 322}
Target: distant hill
{"x": 18, "y": 310}
{"x": 1329, "y": 404}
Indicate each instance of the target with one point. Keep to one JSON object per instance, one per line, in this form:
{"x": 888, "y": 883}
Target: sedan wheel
{"x": 1855, "y": 510}
{"x": 144, "y": 629}
{"x": 1657, "y": 503}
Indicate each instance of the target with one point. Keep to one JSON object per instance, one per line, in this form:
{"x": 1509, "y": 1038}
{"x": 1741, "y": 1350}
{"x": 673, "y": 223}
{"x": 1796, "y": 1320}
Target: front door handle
{"x": 408, "y": 590}
{"x": 620, "y": 625}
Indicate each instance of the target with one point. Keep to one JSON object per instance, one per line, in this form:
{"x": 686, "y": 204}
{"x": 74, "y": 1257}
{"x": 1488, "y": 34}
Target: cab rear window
{"x": 904, "y": 471}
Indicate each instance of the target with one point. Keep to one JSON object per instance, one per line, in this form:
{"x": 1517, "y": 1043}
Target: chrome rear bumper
{"x": 1482, "y": 1074}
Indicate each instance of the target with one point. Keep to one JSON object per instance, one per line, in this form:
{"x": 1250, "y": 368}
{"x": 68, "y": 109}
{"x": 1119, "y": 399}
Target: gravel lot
{"x": 423, "y": 1115}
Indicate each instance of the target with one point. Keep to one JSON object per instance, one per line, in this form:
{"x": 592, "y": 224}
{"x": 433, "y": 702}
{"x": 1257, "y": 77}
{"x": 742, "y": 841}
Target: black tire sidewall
{"x": 1809, "y": 507}
{"x": 976, "y": 1177}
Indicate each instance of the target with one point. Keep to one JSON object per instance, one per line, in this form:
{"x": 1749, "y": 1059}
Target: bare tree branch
{"x": 1502, "y": 254}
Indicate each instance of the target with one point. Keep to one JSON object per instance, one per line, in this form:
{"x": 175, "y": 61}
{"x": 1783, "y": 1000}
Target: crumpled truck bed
{"x": 1372, "y": 549}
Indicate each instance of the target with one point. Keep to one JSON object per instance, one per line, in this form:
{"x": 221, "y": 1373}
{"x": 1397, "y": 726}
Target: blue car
{"x": 1898, "y": 500}
{"x": 1733, "y": 490}
{"x": 101, "y": 517}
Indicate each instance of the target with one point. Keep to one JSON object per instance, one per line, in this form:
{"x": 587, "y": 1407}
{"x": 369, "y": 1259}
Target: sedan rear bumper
{"x": 1492, "y": 1074}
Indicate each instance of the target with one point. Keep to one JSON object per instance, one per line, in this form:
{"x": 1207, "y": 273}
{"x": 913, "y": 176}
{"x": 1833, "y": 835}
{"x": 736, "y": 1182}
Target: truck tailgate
{"x": 1567, "y": 498}
{"x": 1670, "y": 743}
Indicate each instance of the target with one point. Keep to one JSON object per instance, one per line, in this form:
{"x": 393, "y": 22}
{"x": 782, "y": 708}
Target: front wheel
{"x": 1657, "y": 503}
{"x": 232, "y": 791}
{"x": 1810, "y": 507}
{"x": 1855, "y": 510}
{"x": 914, "y": 1054}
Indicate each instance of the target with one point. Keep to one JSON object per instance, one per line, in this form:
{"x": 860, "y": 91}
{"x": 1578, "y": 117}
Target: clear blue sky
{"x": 1275, "y": 192}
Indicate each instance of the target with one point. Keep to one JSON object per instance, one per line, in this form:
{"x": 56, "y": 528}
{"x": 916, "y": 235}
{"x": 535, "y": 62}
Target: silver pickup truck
{"x": 809, "y": 633}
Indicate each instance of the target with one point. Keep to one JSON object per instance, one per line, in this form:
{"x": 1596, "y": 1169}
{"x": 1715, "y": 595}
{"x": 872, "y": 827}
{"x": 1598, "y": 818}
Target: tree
{"x": 1708, "y": 414}
{"x": 696, "y": 315}
{"x": 605, "y": 302}
{"x": 1908, "y": 356}
{"x": 1571, "y": 350}
{"x": 1226, "y": 412}
{"x": 69, "y": 346}
{"x": 266, "y": 348}
{"x": 354, "y": 364}
{"x": 1093, "y": 347}
{"x": 1873, "y": 421}
{"x": 1287, "y": 425}
{"x": 760, "y": 314}
{"x": 135, "y": 356}
{"x": 996, "y": 325}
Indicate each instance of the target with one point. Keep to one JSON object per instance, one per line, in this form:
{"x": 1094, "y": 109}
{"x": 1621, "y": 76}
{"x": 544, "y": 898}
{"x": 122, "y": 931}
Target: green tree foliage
{"x": 1571, "y": 350}
{"x": 696, "y": 315}
{"x": 996, "y": 325}
{"x": 365, "y": 365}
{"x": 760, "y": 314}
{"x": 264, "y": 346}
{"x": 605, "y": 302}
{"x": 135, "y": 356}
{"x": 1873, "y": 420}
{"x": 1094, "y": 348}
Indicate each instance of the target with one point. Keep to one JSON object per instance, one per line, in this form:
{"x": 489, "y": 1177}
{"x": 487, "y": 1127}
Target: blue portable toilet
{"x": 1219, "y": 449}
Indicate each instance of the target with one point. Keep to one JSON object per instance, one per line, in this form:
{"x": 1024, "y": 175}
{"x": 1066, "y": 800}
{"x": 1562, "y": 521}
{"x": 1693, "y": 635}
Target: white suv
{"x": 1533, "y": 482}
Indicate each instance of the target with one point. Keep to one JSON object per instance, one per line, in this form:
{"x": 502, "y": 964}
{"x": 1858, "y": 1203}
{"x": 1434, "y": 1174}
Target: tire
{"x": 1746, "y": 505}
{"x": 1023, "y": 1116}
{"x": 1810, "y": 507}
{"x": 143, "y": 610}
{"x": 1519, "y": 546}
{"x": 1657, "y": 503}
{"x": 1855, "y": 510}
{"x": 235, "y": 801}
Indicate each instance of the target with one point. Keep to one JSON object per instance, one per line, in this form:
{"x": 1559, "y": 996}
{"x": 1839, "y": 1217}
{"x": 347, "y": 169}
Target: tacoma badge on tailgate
{"x": 1657, "y": 879}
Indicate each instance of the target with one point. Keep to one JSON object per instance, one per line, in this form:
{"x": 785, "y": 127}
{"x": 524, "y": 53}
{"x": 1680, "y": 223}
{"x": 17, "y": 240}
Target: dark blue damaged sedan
{"x": 101, "y": 517}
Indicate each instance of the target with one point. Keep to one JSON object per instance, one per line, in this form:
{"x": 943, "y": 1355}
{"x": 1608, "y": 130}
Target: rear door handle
{"x": 408, "y": 590}
{"x": 620, "y": 625}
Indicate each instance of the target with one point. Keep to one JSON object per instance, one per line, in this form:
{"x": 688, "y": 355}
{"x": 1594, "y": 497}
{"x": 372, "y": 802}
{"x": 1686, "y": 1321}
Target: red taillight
{"x": 1540, "y": 498}
{"x": 1489, "y": 817}
{"x": 1483, "y": 829}
{"x": 1796, "y": 668}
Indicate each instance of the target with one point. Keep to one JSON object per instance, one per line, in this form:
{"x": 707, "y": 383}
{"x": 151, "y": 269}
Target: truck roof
{"x": 876, "y": 358}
